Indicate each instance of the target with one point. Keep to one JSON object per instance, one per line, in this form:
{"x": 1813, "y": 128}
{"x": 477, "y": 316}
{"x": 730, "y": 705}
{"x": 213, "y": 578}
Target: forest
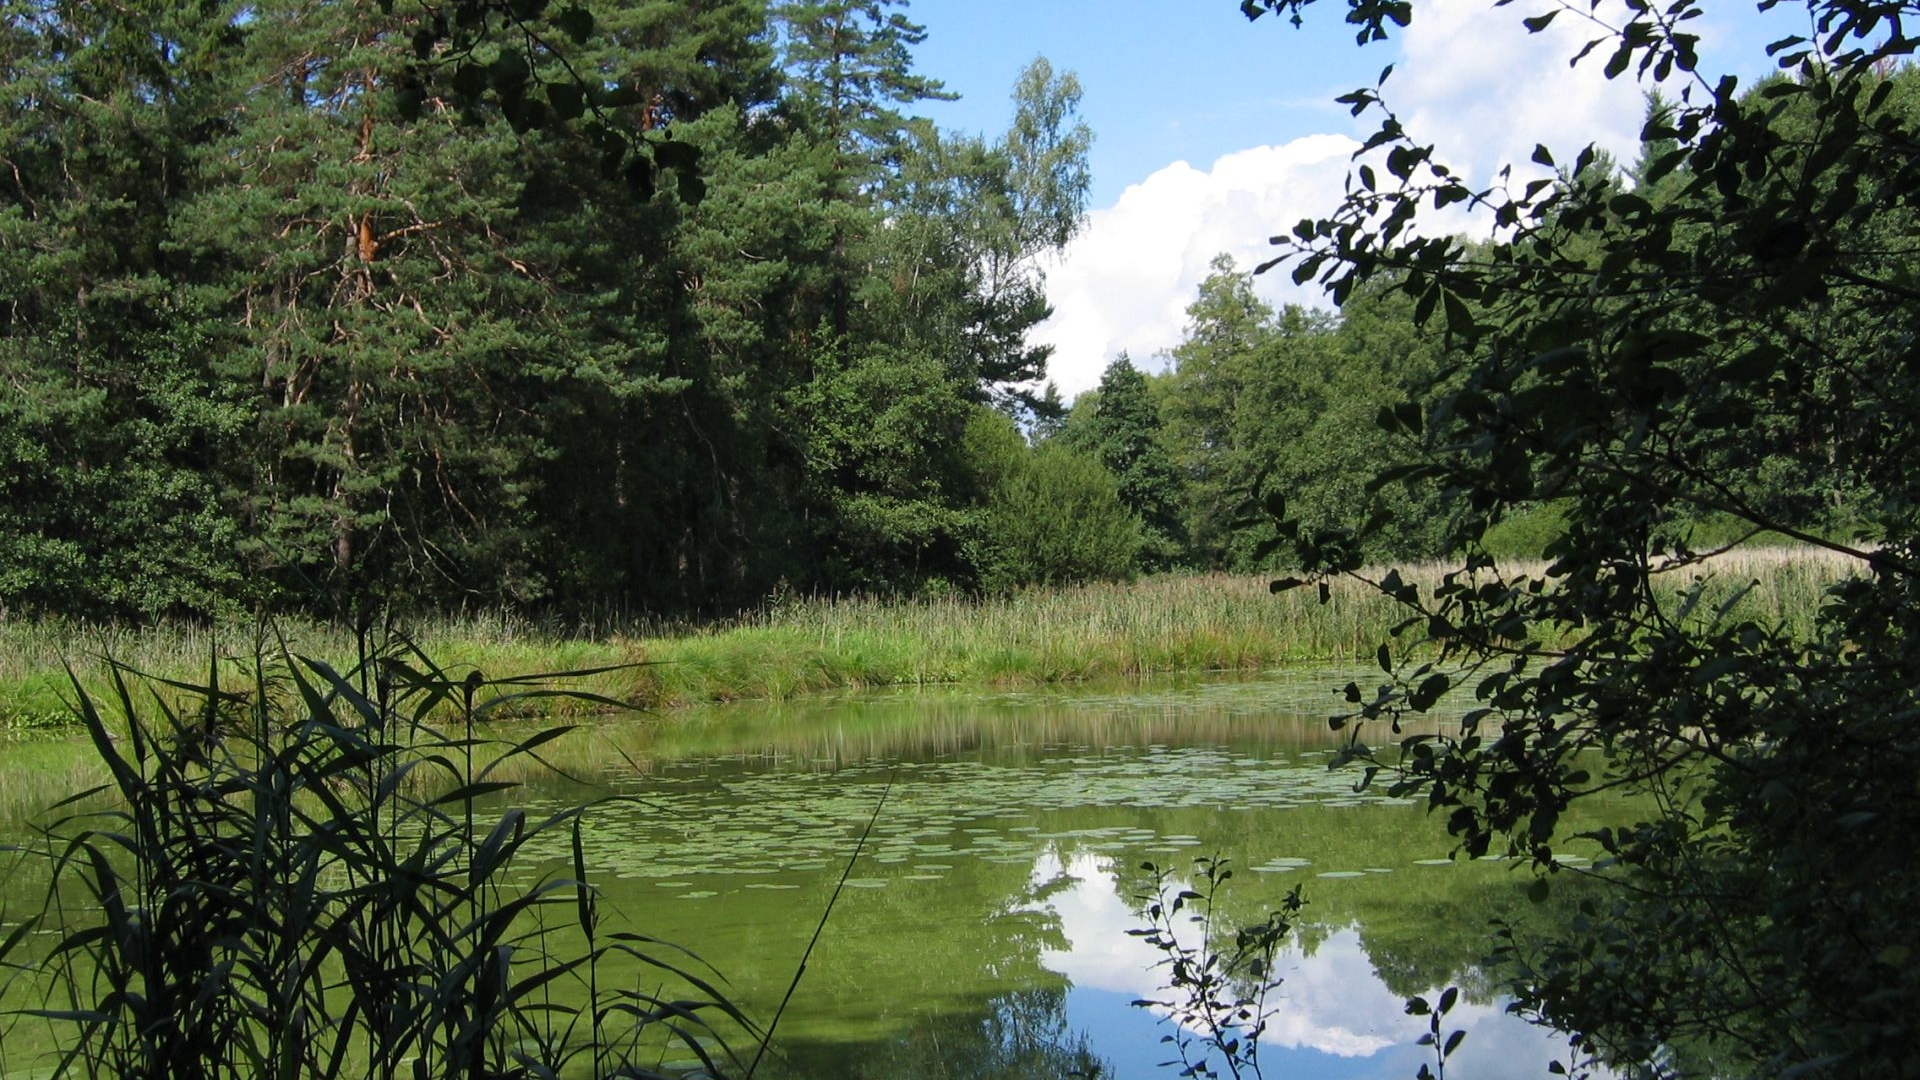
{"x": 289, "y": 326}
{"x": 309, "y": 305}
{"x": 316, "y": 308}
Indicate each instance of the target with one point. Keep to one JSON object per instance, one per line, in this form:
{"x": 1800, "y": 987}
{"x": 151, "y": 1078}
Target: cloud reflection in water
{"x": 1334, "y": 1017}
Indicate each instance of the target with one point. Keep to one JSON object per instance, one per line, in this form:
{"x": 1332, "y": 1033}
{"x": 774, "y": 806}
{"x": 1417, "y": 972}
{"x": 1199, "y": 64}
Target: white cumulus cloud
{"x": 1468, "y": 78}
{"x": 1331, "y": 999}
{"x": 1473, "y": 82}
{"x": 1124, "y": 284}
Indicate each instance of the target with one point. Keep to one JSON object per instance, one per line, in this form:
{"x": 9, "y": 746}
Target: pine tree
{"x": 1123, "y": 433}
{"x": 114, "y": 437}
{"x": 401, "y": 337}
{"x": 662, "y": 490}
{"x": 850, "y": 67}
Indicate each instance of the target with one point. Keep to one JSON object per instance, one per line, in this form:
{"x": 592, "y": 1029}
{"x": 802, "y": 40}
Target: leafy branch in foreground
{"x": 1217, "y": 1000}
{"x": 305, "y": 876}
{"x": 1725, "y": 332}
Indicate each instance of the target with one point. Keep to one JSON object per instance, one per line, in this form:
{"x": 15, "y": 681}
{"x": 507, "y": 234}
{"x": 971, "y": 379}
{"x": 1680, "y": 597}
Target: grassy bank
{"x": 1155, "y": 626}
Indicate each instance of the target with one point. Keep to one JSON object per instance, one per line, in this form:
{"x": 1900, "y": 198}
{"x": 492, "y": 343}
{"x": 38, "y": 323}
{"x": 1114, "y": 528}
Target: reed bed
{"x": 1160, "y": 625}
{"x": 42, "y": 660}
{"x": 295, "y": 877}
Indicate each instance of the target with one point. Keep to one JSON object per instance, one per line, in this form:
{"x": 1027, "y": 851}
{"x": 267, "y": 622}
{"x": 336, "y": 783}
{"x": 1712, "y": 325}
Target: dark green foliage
{"x": 850, "y": 65}
{"x": 1120, "y": 428}
{"x": 1220, "y": 400}
{"x": 882, "y": 431}
{"x": 393, "y": 362}
{"x": 1052, "y": 515}
{"x": 851, "y": 62}
{"x": 113, "y": 496}
{"x": 1731, "y": 346}
{"x": 329, "y": 307}
{"x": 972, "y": 221}
{"x": 518, "y": 61}
{"x": 115, "y": 437}
{"x": 1266, "y": 407}
{"x": 305, "y": 877}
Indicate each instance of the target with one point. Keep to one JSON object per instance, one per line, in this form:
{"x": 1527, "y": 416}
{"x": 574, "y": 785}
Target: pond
{"x": 995, "y": 849}
{"x": 983, "y": 930}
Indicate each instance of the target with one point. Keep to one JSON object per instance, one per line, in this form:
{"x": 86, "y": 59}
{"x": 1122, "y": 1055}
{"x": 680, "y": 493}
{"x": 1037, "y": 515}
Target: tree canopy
{"x": 586, "y": 308}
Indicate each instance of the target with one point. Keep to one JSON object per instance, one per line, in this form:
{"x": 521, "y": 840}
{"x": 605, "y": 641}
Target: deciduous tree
{"x": 1642, "y": 356}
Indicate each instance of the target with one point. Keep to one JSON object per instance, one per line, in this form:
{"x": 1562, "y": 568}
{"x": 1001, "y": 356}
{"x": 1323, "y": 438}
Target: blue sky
{"x": 1165, "y": 80}
{"x": 1213, "y": 133}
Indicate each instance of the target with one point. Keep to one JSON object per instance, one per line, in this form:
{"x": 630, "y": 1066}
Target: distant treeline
{"x": 292, "y": 320}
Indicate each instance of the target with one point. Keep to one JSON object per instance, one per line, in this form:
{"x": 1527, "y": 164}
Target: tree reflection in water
{"x": 1024, "y": 1034}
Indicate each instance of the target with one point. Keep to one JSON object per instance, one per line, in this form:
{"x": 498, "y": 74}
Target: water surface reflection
{"x": 1332, "y": 1016}
{"x": 984, "y": 932}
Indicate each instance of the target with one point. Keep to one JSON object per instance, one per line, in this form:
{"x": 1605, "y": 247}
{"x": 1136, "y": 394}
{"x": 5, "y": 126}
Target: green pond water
{"x": 983, "y": 929}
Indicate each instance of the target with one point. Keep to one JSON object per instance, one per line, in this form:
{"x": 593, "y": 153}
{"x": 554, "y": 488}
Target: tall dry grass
{"x": 1209, "y": 622}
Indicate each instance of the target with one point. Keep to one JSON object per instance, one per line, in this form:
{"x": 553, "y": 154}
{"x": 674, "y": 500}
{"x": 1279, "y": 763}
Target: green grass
{"x": 1156, "y": 626}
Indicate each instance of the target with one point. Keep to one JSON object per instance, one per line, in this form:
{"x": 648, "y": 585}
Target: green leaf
{"x": 508, "y": 73}
{"x": 674, "y": 154}
{"x": 1617, "y": 63}
{"x": 1429, "y": 692}
{"x": 576, "y": 22}
{"x": 639, "y": 177}
{"x": 568, "y": 100}
{"x": 1629, "y": 204}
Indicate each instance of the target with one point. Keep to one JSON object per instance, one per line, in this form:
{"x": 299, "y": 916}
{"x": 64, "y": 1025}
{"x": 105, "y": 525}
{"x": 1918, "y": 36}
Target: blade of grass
{"x": 845, "y": 873}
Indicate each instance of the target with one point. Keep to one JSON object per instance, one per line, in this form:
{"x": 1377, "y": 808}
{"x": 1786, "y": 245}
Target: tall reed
{"x": 297, "y": 876}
